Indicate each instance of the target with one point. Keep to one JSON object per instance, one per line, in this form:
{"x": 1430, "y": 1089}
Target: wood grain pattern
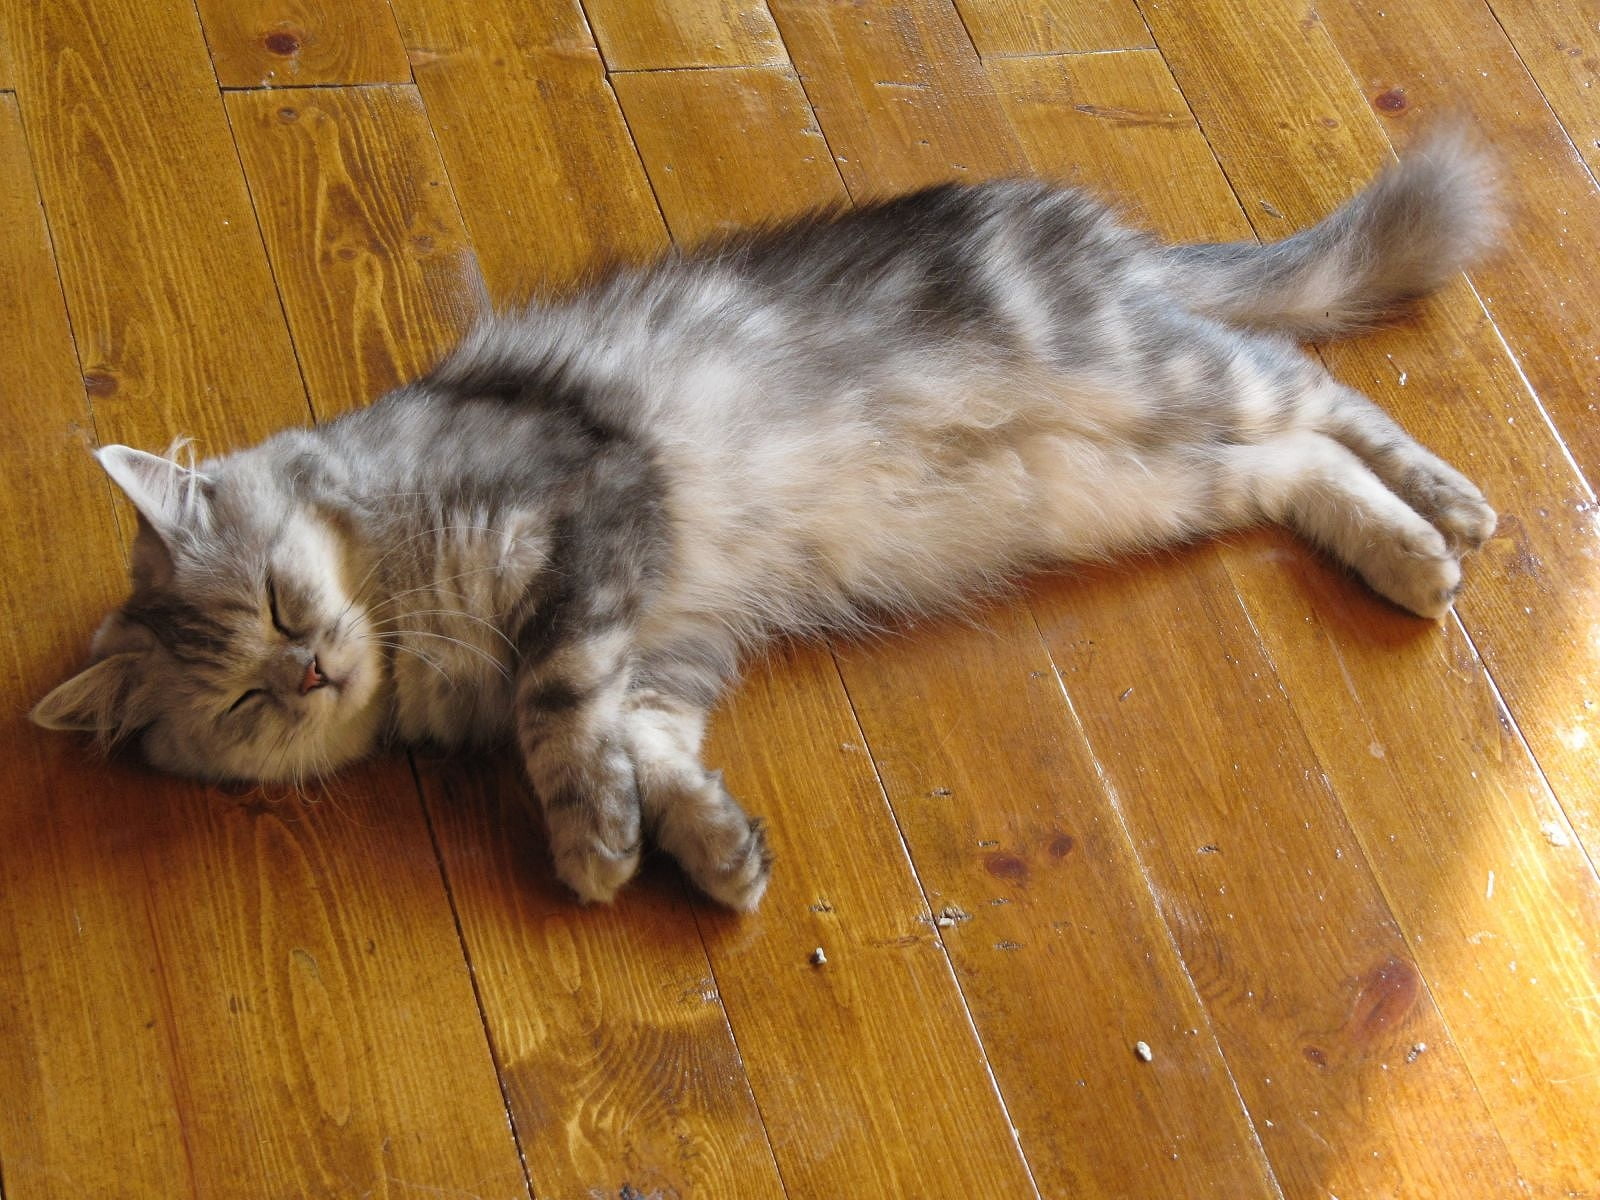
{"x": 279, "y": 43}
{"x": 741, "y": 119}
{"x": 8, "y": 66}
{"x": 83, "y": 1061}
{"x": 291, "y": 948}
{"x": 619, "y": 1066}
{"x": 897, "y": 80}
{"x": 685, "y": 33}
{"x": 319, "y": 1013}
{"x": 372, "y": 262}
{"x": 866, "y": 1068}
{"x": 538, "y": 154}
{"x": 1005, "y": 27}
{"x": 138, "y": 172}
{"x": 1419, "y": 722}
{"x": 1559, "y": 44}
{"x": 1305, "y": 973}
{"x": 1099, "y": 120}
{"x": 1023, "y": 853}
{"x": 1283, "y": 834}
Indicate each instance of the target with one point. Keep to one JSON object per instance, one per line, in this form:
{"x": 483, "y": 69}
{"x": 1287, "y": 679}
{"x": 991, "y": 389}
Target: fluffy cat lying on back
{"x": 572, "y": 528}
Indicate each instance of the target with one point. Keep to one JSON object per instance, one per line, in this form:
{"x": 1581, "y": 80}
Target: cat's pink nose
{"x": 313, "y": 678}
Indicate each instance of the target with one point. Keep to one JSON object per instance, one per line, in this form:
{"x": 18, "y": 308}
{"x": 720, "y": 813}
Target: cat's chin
{"x": 344, "y": 724}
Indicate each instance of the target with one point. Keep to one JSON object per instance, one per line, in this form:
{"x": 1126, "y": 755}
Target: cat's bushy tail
{"x": 1415, "y": 225}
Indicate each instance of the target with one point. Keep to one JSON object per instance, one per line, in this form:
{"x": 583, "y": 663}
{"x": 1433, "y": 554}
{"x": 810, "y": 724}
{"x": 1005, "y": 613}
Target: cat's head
{"x": 242, "y": 652}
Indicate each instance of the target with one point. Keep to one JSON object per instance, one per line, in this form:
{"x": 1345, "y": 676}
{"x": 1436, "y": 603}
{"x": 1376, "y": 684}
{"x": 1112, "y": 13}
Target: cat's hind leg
{"x": 1446, "y": 497}
{"x": 1298, "y": 447}
{"x": 1327, "y": 493}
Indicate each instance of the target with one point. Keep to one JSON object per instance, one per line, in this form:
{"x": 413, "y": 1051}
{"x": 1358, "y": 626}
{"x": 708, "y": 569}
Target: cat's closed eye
{"x": 245, "y": 699}
{"x": 278, "y": 620}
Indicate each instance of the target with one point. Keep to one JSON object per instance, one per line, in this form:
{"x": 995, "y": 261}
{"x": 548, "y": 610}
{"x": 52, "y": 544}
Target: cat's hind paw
{"x": 1416, "y": 569}
{"x": 1452, "y": 504}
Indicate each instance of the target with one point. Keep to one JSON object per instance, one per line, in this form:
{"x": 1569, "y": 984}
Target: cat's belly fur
{"x": 879, "y": 512}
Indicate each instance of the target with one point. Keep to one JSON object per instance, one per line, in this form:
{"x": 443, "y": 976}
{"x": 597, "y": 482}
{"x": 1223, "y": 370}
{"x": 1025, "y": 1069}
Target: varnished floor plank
{"x": 614, "y": 1048}
{"x": 1007, "y": 27}
{"x": 1559, "y": 43}
{"x": 76, "y": 948}
{"x": 146, "y": 201}
{"x": 688, "y": 155}
{"x": 373, "y": 265}
{"x": 866, "y": 1066}
{"x": 288, "y": 938}
{"x": 538, "y": 154}
{"x": 285, "y": 43}
{"x": 1434, "y": 732}
{"x": 1334, "y": 865}
{"x": 685, "y": 33}
{"x": 897, "y": 82}
{"x": 1293, "y": 946}
{"x": 8, "y": 67}
{"x": 1033, "y": 883}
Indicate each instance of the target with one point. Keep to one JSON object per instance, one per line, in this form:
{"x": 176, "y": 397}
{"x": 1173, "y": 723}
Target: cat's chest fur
{"x": 457, "y": 586}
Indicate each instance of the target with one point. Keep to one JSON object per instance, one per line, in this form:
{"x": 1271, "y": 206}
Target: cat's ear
{"x": 99, "y": 698}
{"x": 166, "y": 494}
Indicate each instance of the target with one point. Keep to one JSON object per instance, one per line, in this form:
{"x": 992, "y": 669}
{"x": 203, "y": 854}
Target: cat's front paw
{"x": 737, "y": 877}
{"x": 596, "y": 836}
{"x": 720, "y": 847}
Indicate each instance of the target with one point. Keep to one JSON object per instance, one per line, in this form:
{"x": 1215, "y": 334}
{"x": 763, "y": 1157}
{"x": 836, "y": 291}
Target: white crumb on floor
{"x": 1143, "y": 1051}
{"x": 1554, "y": 834}
{"x": 1488, "y": 892}
{"x": 818, "y": 957}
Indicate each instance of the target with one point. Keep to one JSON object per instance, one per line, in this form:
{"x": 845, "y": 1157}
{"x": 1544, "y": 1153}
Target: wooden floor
{"x": 1332, "y": 865}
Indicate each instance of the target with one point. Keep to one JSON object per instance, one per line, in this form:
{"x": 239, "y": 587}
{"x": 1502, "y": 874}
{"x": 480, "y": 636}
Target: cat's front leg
{"x": 569, "y": 715}
{"x": 691, "y": 815}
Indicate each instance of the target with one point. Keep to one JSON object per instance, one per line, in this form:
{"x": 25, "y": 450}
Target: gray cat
{"x": 572, "y": 528}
